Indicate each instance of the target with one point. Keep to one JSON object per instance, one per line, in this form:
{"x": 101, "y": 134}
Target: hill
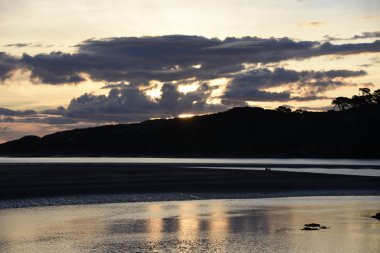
{"x": 239, "y": 132}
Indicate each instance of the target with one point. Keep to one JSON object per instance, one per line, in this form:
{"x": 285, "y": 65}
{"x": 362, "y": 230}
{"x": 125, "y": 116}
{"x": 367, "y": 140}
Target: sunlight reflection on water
{"x": 259, "y": 225}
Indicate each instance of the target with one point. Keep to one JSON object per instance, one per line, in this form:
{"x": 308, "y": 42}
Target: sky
{"x": 83, "y": 63}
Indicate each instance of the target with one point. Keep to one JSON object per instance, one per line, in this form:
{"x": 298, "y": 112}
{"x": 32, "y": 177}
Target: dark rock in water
{"x": 310, "y": 228}
{"x": 376, "y": 216}
{"x": 312, "y": 225}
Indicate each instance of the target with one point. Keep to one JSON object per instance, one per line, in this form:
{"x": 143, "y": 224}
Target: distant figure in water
{"x": 267, "y": 169}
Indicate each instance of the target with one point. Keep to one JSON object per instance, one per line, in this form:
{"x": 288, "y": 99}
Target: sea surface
{"x": 359, "y": 167}
{"x": 347, "y": 162}
{"x": 252, "y": 225}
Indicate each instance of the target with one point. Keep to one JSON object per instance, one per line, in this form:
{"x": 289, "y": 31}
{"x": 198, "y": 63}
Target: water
{"x": 332, "y": 171}
{"x": 298, "y": 161}
{"x": 324, "y": 166}
{"x": 256, "y": 225}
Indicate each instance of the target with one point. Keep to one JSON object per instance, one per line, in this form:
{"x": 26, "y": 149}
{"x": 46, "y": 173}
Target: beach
{"x": 103, "y": 183}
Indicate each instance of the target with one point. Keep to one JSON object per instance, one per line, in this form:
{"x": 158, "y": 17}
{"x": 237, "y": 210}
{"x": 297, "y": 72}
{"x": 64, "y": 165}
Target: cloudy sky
{"x": 81, "y": 63}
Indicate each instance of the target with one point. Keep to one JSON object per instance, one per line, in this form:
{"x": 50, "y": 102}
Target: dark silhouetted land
{"x": 239, "y": 132}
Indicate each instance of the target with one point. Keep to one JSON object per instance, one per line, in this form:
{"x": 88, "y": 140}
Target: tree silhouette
{"x": 364, "y": 99}
{"x": 366, "y": 96}
{"x": 300, "y": 111}
{"x": 365, "y": 91}
{"x": 283, "y": 109}
{"x": 342, "y": 103}
{"x": 376, "y": 96}
{"x": 357, "y": 101}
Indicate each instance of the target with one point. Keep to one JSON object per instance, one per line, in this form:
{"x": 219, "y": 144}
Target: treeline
{"x": 365, "y": 98}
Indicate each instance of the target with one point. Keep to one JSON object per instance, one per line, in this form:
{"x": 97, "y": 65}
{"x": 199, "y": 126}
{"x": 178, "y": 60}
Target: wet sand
{"x": 18, "y": 181}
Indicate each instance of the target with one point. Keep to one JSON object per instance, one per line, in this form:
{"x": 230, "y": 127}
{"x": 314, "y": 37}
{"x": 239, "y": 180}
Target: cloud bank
{"x": 137, "y": 60}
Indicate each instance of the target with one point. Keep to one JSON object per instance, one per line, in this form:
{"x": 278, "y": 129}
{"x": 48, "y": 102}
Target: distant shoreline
{"x": 191, "y": 156}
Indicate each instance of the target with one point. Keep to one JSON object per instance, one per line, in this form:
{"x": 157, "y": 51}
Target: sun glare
{"x": 188, "y": 88}
{"x": 183, "y": 116}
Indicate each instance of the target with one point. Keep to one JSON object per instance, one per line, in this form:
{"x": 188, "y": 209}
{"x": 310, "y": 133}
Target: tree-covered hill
{"x": 353, "y": 131}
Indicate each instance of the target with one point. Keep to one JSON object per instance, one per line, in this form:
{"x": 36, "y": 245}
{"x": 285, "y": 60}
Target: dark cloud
{"x": 131, "y": 105}
{"x": 366, "y": 35}
{"x": 51, "y": 120}
{"x": 248, "y": 86}
{"x": 7, "y": 65}
{"x": 9, "y": 112}
{"x": 331, "y": 38}
{"x": 252, "y": 94}
{"x": 57, "y": 111}
{"x": 265, "y": 78}
{"x": 343, "y": 73}
{"x": 19, "y": 45}
{"x": 54, "y": 68}
{"x": 122, "y": 105}
{"x": 40, "y": 120}
{"x": 138, "y": 60}
{"x": 51, "y": 116}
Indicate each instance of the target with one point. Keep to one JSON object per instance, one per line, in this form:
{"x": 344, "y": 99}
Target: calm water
{"x": 362, "y": 167}
{"x": 347, "y": 162}
{"x": 261, "y": 225}
{"x": 333, "y": 171}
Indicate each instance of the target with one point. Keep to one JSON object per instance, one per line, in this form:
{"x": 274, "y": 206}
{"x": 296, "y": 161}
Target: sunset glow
{"x": 130, "y": 61}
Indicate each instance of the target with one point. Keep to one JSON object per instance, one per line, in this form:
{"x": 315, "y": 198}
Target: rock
{"x": 376, "y": 216}
{"x": 315, "y": 225}
{"x": 310, "y": 228}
